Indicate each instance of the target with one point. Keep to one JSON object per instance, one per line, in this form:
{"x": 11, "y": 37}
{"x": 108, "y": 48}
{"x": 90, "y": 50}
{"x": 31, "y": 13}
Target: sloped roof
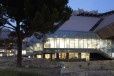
{"x": 106, "y": 28}
{"x": 107, "y": 31}
{"x": 107, "y": 20}
{"x": 73, "y": 34}
{"x": 79, "y": 23}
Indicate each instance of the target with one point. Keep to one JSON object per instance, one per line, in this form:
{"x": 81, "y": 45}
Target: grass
{"x": 7, "y": 72}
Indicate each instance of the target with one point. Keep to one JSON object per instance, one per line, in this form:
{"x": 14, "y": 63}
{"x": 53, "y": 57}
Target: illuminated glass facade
{"x": 77, "y": 43}
{"x": 72, "y": 42}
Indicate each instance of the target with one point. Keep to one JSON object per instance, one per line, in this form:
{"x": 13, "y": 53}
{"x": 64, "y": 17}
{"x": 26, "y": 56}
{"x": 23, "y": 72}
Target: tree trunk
{"x": 19, "y": 49}
{"x": 43, "y": 42}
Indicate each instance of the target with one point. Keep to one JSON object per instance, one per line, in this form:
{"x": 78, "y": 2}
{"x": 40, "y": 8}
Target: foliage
{"x": 38, "y": 15}
{"x": 32, "y": 16}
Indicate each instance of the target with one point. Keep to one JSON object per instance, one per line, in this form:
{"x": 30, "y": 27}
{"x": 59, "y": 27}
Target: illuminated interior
{"x": 73, "y": 55}
{"x": 47, "y": 56}
{"x": 38, "y": 56}
{"x": 63, "y": 55}
{"x": 67, "y": 45}
{"x": 76, "y": 43}
{"x": 66, "y": 42}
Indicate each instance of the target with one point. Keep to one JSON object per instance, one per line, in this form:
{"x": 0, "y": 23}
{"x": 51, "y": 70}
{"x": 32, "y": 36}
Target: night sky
{"x": 100, "y": 5}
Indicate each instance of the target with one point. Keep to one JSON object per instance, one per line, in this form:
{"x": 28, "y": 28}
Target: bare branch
{"x": 9, "y": 27}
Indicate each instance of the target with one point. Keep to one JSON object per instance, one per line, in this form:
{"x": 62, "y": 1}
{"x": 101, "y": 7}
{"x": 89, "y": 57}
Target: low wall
{"x": 90, "y": 73}
{"x": 90, "y": 68}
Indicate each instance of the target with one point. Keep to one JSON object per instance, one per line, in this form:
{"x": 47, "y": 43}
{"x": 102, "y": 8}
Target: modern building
{"x": 85, "y": 36}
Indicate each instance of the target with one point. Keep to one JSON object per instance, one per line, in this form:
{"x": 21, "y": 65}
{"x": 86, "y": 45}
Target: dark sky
{"x": 100, "y": 5}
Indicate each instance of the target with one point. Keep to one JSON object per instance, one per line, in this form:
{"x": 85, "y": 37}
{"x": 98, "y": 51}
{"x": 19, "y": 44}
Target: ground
{"x": 43, "y": 67}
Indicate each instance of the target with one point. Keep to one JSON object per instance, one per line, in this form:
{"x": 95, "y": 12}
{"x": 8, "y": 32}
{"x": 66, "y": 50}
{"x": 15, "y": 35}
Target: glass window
{"x": 67, "y": 43}
{"x": 57, "y": 43}
{"x": 62, "y": 55}
{"x": 98, "y": 43}
{"x": 37, "y": 47}
{"x": 62, "y": 43}
{"x": 47, "y": 56}
{"x": 53, "y": 56}
{"x": 85, "y": 43}
{"x": 89, "y": 43}
{"x": 38, "y": 56}
{"x": 112, "y": 54}
{"x": 47, "y": 44}
{"x": 80, "y": 43}
{"x": 76, "y": 43}
{"x": 94, "y": 43}
{"x": 1, "y": 54}
{"x": 51, "y": 42}
{"x": 73, "y": 55}
{"x": 85, "y": 56}
{"x": 72, "y": 43}
{"x": 109, "y": 44}
{"x": 23, "y": 52}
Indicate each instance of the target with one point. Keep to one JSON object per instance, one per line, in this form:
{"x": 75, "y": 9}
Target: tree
{"x": 42, "y": 16}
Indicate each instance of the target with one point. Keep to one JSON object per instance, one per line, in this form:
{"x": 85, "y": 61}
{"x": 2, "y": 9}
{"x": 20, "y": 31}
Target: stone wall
{"x": 90, "y": 73}
{"x": 91, "y": 68}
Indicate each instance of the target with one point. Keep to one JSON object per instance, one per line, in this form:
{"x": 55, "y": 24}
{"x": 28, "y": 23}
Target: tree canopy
{"x": 38, "y": 15}
{"x": 32, "y": 16}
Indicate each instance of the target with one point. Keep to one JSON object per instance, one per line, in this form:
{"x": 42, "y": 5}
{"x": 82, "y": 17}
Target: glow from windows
{"x": 73, "y": 55}
{"x": 47, "y": 56}
{"x": 81, "y": 43}
{"x": 39, "y": 56}
{"x": 76, "y": 43}
{"x": 23, "y": 52}
{"x": 1, "y": 54}
{"x": 35, "y": 47}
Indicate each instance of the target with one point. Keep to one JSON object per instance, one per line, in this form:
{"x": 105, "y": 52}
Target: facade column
{"x": 57, "y": 56}
{"x": 67, "y": 55}
{"x": 79, "y": 56}
{"x": 51, "y": 56}
{"x": 43, "y": 55}
{"x": 35, "y": 56}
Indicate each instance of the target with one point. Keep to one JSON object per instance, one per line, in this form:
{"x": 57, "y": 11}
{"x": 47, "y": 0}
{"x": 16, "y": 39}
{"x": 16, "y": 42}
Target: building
{"x": 83, "y": 37}
{"x": 7, "y": 44}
